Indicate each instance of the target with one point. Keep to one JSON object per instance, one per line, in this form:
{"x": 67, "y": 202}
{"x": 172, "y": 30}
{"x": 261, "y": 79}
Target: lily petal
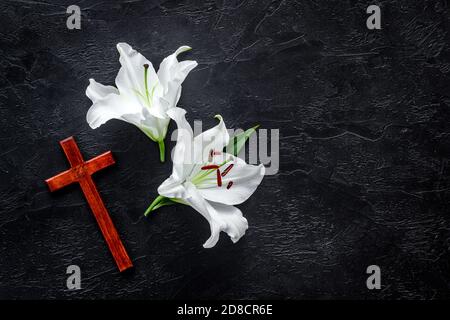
{"x": 171, "y": 75}
{"x": 107, "y": 104}
{"x": 171, "y": 188}
{"x": 156, "y": 125}
{"x": 215, "y": 139}
{"x": 244, "y": 179}
{"x": 171, "y": 69}
{"x": 130, "y": 77}
{"x": 97, "y": 91}
{"x": 231, "y": 221}
{"x": 130, "y": 80}
{"x": 170, "y": 100}
{"x": 176, "y": 76}
{"x": 182, "y": 154}
{"x": 220, "y": 217}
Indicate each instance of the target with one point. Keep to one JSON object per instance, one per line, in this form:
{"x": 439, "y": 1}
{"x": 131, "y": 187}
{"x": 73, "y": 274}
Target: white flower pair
{"x": 204, "y": 176}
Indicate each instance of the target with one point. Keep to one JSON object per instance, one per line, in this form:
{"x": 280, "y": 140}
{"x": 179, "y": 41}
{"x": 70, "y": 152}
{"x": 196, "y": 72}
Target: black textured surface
{"x": 365, "y": 145}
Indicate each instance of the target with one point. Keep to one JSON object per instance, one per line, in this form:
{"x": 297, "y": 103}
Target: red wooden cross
{"x": 81, "y": 172}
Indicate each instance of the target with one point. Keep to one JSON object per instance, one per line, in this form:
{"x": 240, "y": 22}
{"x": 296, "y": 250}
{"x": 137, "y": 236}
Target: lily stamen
{"x": 219, "y": 178}
{"x": 229, "y": 184}
{"x": 225, "y": 172}
{"x": 211, "y": 154}
{"x": 209, "y": 167}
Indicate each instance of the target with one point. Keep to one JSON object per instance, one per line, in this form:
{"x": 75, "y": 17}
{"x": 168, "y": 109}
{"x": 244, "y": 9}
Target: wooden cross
{"x": 81, "y": 172}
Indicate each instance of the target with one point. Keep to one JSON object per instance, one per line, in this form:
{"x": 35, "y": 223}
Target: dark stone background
{"x": 364, "y": 151}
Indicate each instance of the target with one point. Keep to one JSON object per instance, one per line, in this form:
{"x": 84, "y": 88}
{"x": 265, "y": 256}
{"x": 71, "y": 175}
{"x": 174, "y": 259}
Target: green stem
{"x": 155, "y": 203}
{"x": 162, "y": 150}
{"x": 162, "y": 201}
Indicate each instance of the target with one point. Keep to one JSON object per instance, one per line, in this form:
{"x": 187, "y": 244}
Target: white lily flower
{"x": 142, "y": 96}
{"x": 209, "y": 180}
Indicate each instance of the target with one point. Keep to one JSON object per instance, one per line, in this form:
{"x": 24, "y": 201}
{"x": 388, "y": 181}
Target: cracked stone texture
{"x": 364, "y": 149}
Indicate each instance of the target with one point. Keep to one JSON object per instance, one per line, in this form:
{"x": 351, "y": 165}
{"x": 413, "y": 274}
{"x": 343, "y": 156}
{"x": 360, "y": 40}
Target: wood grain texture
{"x": 81, "y": 173}
{"x": 364, "y": 151}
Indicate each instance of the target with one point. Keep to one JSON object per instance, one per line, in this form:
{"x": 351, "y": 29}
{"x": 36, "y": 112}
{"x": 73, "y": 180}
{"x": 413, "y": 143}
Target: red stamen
{"x": 209, "y": 167}
{"x": 219, "y": 178}
{"x": 211, "y": 154}
{"x": 229, "y": 184}
{"x": 225, "y": 172}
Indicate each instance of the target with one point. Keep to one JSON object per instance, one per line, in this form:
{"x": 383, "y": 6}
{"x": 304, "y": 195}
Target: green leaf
{"x": 237, "y": 142}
